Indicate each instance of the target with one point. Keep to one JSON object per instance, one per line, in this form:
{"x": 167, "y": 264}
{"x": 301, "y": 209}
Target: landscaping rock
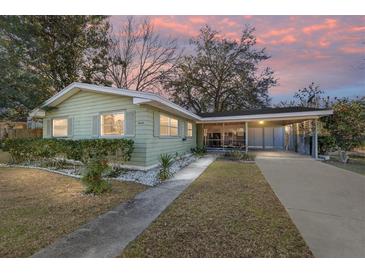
{"x": 146, "y": 177}
{"x": 150, "y": 177}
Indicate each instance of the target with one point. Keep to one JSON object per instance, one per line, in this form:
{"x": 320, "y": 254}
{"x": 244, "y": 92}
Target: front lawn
{"x": 229, "y": 211}
{"x": 356, "y": 163}
{"x": 38, "y": 207}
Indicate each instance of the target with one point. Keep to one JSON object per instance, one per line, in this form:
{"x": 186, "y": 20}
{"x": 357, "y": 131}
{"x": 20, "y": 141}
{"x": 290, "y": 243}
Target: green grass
{"x": 356, "y": 164}
{"x": 38, "y": 207}
{"x": 229, "y": 211}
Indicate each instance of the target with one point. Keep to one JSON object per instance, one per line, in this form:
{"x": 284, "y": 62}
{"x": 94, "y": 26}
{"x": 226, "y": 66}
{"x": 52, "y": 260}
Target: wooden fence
{"x": 24, "y": 133}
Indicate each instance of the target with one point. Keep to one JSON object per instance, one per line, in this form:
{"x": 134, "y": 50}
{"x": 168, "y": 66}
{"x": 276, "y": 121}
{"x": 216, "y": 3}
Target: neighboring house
{"x": 83, "y": 111}
{"x": 34, "y": 123}
{"x": 7, "y": 126}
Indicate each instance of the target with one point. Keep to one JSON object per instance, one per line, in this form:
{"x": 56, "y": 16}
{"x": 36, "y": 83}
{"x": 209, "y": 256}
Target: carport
{"x": 292, "y": 129}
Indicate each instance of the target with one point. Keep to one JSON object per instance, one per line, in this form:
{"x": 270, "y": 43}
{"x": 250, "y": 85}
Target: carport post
{"x": 246, "y": 136}
{"x": 315, "y": 138}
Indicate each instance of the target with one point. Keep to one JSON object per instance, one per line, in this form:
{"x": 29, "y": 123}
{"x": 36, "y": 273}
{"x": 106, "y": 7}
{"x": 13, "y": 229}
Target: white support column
{"x": 246, "y": 136}
{"x": 316, "y": 139}
{"x": 222, "y": 139}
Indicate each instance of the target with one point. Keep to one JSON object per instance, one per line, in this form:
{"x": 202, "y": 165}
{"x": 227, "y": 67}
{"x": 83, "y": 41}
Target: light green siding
{"x": 171, "y": 145}
{"x": 84, "y": 105}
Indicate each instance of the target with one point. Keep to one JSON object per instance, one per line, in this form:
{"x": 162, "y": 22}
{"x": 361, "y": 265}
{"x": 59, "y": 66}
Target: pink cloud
{"x": 324, "y": 43}
{"x": 357, "y": 28}
{"x": 352, "y": 50}
{"x": 228, "y": 22}
{"x": 260, "y": 41}
{"x": 278, "y": 32}
{"x": 197, "y": 20}
{"x": 287, "y": 39}
{"x": 328, "y": 24}
{"x": 161, "y": 22}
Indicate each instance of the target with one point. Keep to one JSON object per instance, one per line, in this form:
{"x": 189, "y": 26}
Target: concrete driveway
{"x": 326, "y": 203}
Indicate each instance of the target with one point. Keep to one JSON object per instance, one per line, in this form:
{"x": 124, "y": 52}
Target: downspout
{"x": 246, "y": 136}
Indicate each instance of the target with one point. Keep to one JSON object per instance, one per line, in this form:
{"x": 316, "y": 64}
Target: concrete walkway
{"x": 109, "y": 234}
{"x": 326, "y": 203}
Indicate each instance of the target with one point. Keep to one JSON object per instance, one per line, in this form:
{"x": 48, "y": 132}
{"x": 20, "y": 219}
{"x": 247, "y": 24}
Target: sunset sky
{"x": 329, "y": 50}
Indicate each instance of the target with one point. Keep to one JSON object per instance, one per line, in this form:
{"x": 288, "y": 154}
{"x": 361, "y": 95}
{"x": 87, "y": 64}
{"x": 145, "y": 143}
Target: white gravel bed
{"x": 150, "y": 177}
{"x": 146, "y": 177}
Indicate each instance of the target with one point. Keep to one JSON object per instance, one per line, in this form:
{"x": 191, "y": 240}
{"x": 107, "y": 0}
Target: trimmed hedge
{"x": 38, "y": 149}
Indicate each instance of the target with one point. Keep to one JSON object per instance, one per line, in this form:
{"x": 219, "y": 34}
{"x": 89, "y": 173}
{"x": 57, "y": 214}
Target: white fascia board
{"x": 270, "y": 117}
{"x": 137, "y": 100}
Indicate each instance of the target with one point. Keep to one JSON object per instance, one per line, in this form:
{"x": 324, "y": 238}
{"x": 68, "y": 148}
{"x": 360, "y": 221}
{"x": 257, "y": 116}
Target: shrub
{"x": 16, "y": 149}
{"x": 166, "y": 161}
{"x": 238, "y": 155}
{"x": 115, "y": 171}
{"x": 346, "y": 125}
{"x": 93, "y": 177}
{"x": 37, "y": 149}
{"x": 199, "y": 151}
{"x": 94, "y": 154}
{"x": 326, "y": 144}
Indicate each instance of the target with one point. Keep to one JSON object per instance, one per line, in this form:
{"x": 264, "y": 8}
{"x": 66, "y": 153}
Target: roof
{"x": 155, "y": 100}
{"x": 139, "y": 97}
{"x": 258, "y": 111}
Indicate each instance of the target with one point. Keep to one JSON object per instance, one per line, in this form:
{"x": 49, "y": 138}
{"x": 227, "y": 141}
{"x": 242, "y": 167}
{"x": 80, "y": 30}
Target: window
{"x": 112, "y": 124}
{"x": 190, "y": 129}
{"x": 59, "y": 127}
{"x": 168, "y": 126}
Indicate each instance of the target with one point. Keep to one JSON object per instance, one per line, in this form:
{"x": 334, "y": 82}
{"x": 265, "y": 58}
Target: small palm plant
{"x": 166, "y": 161}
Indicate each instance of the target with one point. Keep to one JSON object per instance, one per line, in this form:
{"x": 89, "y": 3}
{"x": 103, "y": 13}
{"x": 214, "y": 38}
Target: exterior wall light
{"x": 261, "y": 122}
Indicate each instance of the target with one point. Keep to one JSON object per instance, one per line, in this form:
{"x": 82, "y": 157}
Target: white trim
{"x": 101, "y": 130}
{"x": 52, "y": 125}
{"x": 187, "y": 130}
{"x": 270, "y": 116}
{"x": 137, "y": 100}
{"x": 75, "y": 87}
{"x": 169, "y": 126}
{"x": 142, "y": 168}
{"x": 156, "y": 100}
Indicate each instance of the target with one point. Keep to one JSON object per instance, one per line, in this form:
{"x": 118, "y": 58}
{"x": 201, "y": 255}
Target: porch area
{"x": 299, "y": 136}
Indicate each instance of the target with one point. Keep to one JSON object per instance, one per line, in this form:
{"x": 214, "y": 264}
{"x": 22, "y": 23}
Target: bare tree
{"x": 138, "y": 57}
{"x": 286, "y": 103}
{"x": 310, "y": 96}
